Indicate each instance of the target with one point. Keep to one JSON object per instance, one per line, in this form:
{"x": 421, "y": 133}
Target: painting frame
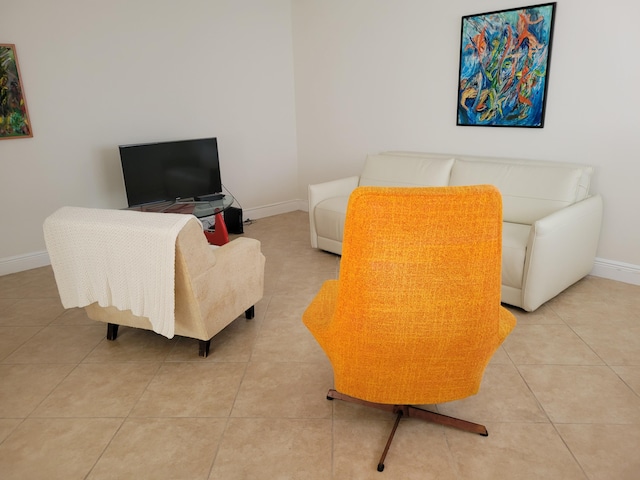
{"x": 503, "y": 74}
{"x": 14, "y": 114}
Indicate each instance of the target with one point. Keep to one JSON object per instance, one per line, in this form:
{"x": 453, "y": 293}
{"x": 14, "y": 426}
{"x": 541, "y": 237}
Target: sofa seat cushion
{"x": 330, "y": 215}
{"x": 514, "y": 249}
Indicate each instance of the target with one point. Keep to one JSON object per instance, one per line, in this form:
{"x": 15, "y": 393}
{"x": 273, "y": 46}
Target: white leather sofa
{"x": 551, "y": 222}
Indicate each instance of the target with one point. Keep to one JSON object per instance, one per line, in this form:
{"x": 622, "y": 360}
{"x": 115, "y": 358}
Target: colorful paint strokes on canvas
{"x": 14, "y": 118}
{"x": 504, "y": 67}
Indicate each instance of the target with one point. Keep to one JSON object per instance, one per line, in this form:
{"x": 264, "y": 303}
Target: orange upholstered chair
{"x": 415, "y": 315}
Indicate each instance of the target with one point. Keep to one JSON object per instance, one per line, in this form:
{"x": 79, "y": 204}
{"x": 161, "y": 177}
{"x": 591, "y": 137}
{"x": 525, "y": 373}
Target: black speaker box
{"x": 233, "y": 220}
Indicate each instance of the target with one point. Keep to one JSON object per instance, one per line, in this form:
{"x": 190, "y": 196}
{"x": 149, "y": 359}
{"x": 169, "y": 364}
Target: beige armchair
{"x": 212, "y": 287}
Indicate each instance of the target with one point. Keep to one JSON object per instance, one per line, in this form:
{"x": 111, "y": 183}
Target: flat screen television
{"x": 163, "y": 171}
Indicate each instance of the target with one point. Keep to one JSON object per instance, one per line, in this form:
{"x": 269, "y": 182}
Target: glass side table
{"x": 200, "y": 209}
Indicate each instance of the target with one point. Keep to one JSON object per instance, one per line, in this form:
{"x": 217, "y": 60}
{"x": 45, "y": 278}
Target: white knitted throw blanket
{"x": 119, "y": 258}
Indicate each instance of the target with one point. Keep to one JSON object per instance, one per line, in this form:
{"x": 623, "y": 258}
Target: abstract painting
{"x": 504, "y": 67}
{"x": 14, "y": 117}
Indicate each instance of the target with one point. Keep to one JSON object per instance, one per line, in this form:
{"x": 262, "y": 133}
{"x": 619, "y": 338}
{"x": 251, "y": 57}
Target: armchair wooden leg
{"x": 112, "y": 331}
{"x": 203, "y": 347}
{"x": 410, "y": 411}
{"x": 250, "y": 312}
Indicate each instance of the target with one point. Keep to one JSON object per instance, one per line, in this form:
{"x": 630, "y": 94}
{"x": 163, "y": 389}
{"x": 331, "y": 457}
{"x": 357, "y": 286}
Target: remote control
{"x": 210, "y": 198}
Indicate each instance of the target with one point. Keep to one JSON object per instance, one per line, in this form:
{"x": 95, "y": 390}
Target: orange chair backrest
{"x": 418, "y": 306}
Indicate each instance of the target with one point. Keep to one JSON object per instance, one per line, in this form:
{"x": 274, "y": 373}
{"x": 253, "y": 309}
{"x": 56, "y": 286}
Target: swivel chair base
{"x": 410, "y": 411}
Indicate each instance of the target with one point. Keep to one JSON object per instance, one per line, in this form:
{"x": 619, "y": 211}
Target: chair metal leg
{"x": 447, "y": 421}
{"x": 250, "y": 312}
{"x": 112, "y": 331}
{"x": 386, "y": 448}
{"x": 410, "y": 411}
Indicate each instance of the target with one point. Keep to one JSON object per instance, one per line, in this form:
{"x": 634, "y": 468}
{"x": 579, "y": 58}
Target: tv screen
{"x": 162, "y": 171}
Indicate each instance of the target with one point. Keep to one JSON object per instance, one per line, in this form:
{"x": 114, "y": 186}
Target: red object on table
{"x": 220, "y": 235}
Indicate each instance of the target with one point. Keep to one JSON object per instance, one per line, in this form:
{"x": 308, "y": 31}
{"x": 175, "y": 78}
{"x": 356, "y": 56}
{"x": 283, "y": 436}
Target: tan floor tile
{"x": 419, "y": 449}
{"x": 12, "y": 286}
{"x": 548, "y": 344}
{"x": 286, "y": 390}
{"x": 349, "y": 411}
{"x": 37, "y": 282}
{"x": 289, "y": 305}
{"x": 626, "y": 294}
{"x": 233, "y": 344}
{"x": 513, "y": 451}
{"x": 286, "y": 339}
{"x": 191, "y": 389}
{"x": 23, "y": 387}
{"x": 12, "y": 338}
{"x": 588, "y": 309}
{"x": 616, "y": 346}
{"x": 500, "y": 357}
{"x": 186, "y": 349}
{"x": 55, "y": 448}
{"x": 503, "y": 397}
{"x": 31, "y": 312}
{"x": 8, "y": 425}
{"x": 93, "y": 390}
{"x": 261, "y": 308}
{"x": 603, "y": 286}
{"x": 37, "y": 275}
{"x": 271, "y": 281}
{"x": 5, "y": 303}
{"x": 544, "y": 315}
{"x": 161, "y": 448}
{"x": 44, "y": 287}
{"x": 305, "y": 282}
{"x": 582, "y": 394}
{"x": 257, "y": 448}
{"x": 298, "y": 252}
{"x": 630, "y": 376}
{"x": 590, "y": 285}
{"x": 605, "y": 451}
{"x": 132, "y": 345}
{"x": 77, "y": 316}
{"x": 58, "y": 344}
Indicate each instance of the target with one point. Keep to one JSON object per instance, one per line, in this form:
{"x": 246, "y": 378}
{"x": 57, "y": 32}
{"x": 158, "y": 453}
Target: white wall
{"x": 98, "y": 74}
{"x": 382, "y": 75}
{"x": 369, "y": 76}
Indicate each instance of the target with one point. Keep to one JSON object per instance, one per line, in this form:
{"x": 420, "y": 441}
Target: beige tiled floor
{"x": 561, "y": 398}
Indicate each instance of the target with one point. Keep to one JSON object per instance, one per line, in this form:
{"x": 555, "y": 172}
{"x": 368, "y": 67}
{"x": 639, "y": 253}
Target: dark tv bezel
{"x": 139, "y": 199}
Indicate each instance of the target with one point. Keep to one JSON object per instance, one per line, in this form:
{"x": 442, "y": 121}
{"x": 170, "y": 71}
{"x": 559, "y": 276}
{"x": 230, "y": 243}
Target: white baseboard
{"x": 270, "y": 210}
{"x": 622, "y": 272}
{"x": 20, "y": 263}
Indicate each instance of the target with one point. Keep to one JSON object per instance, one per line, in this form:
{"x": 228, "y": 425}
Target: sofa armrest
{"x": 561, "y": 250}
{"x": 322, "y": 191}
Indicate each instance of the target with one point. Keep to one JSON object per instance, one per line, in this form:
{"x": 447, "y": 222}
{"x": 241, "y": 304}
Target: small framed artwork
{"x": 504, "y": 67}
{"x": 14, "y": 116}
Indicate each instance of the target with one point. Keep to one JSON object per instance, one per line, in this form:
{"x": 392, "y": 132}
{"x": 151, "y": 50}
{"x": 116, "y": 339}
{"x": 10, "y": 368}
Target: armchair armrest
{"x": 561, "y": 250}
{"x": 322, "y": 191}
{"x": 232, "y": 284}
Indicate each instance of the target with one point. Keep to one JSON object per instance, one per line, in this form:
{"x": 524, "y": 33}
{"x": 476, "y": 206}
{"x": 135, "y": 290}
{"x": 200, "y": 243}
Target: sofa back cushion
{"x": 530, "y": 190}
{"x": 397, "y": 170}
